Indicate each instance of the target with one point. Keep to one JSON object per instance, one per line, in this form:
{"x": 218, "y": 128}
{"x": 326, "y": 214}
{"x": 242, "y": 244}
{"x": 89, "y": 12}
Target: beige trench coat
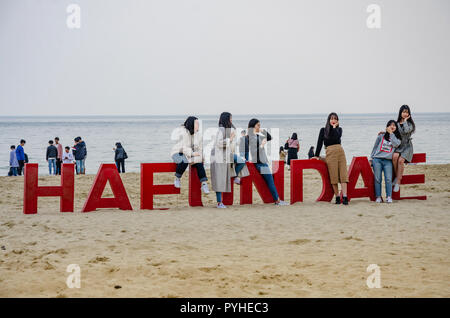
{"x": 222, "y": 163}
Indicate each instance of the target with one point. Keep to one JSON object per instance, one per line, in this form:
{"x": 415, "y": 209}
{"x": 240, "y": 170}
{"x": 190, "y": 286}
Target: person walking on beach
{"x": 67, "y": 156}
{"x": 50, "y": 156}
{"x": 330, "y": 136}
{"x": 80, "y": 153}
{"x": 59, "y": 147}
{"x": 225, "y": 163}
{"x": 256, "y": 140}
{"x": 119, "y": 157}
{"x": 311, "y": 152}
{"x": 404, "y": 153}
{"x": 189, "y": 151}
{"x": 20, "y": 154}
{"x": 13, "y": 163}
{"x": 293, "y": 149}
{"x": 381, "y": 157}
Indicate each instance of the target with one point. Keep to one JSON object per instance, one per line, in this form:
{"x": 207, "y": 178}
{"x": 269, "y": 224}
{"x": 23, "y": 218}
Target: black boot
{"x": 338, "y": 200}
{"x": 345, "y": 201}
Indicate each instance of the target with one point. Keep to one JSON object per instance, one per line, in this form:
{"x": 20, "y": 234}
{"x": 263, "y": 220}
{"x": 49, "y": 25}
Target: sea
{"x": 149, "y": 139}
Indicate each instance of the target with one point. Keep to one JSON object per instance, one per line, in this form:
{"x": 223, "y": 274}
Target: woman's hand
{"x": 315, "y": 158}
{"x": 335, "y": 124}
{"x": 263, "y": 143}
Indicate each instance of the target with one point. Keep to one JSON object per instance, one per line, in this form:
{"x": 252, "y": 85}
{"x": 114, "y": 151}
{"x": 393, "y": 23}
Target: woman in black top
{"x": 330, "y": 136}
{"x": 119, "y": 157}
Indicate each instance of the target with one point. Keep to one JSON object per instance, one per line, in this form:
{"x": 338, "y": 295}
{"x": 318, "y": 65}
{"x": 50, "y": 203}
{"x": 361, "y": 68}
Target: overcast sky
{"x": 207, "y": 56}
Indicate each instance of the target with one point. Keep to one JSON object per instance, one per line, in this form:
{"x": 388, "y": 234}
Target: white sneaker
{"x": 379, "y": 200}
{"x": 221, "y": 206}
{"x": 205, "y": 188}
{"x": 281, "y": 203}
{"x": 237, "y": 180}
{"x": 396, "y": 187}
{"x": 177, "y": 183}
{"x": 388, "y": 200}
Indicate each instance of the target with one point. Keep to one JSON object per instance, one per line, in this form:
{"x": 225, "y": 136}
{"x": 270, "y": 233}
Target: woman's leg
{"x": 264, "y": 170}
{"x": 123, "y": 165}
{"x": 395, "y": 162}
{"x": 344, "y": 189}
{"x": 201, "y": 171}
{"x": 400, "y": 169}
{"x": 387, "y": 168}
{"x": 335, "y": 189}
{"x": 239, "y": 163}
{"x": 182, "y": 164}
{"x": 118, "y": 165}
{"x": 377, "y": 170}
{"x": 219, "y": 197}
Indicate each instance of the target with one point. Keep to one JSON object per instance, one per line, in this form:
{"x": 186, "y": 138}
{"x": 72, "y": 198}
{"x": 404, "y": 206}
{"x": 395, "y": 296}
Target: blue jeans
{"x": 380, "y": 165}
{"x": 80, "y": 166}
{"x": 14, "y": 171}
{"x": 264, "y": 170}
{"x": 239, "y": 165}
{"x": 52, "y": 165}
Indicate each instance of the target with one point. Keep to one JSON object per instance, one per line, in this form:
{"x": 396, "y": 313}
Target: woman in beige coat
{"x": 189, "y": 151}
{"x": 225, "y": 163}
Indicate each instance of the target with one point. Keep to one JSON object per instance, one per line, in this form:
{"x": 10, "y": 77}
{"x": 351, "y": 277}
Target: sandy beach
{"x": 308, "y": 249}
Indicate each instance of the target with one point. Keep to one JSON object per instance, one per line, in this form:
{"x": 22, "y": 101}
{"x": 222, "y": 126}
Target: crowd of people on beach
{"x": 392, "y": 150}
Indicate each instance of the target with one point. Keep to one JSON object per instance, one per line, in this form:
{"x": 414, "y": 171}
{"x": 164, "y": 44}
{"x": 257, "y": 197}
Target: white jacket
{"x": 187, "y": 144}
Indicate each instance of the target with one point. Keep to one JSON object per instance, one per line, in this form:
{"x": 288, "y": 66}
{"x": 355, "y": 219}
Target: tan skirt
{"x": 337, "y": 164}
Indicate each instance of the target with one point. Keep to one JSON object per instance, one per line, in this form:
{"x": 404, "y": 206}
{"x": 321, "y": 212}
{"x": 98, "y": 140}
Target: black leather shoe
{"x": 338, "y": 200}
{"x": 345, "y": 201}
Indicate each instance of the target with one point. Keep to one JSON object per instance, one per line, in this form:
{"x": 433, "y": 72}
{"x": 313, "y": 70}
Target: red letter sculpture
{"x": 413, "y": 179}
{"x": 148, "y": 189}
{"x": 361, "y": 166}
{"x": 297, "y": 167}
{"x": 195, "y": 193}
{"x": 32, "y": 191}
{"x": 107, "y": 172}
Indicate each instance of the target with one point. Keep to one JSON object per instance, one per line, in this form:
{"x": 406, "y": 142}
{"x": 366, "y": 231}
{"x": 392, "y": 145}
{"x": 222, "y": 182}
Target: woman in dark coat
{"x": 120, "y": 156}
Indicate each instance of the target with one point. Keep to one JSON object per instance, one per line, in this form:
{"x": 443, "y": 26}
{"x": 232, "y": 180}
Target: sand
{"x": 308, "y": 249}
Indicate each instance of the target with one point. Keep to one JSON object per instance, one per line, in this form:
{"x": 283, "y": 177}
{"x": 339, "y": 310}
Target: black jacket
{"x": 120, "y": 153}
{"x": 52, "y": 152}
{"x": 80, "y": 151}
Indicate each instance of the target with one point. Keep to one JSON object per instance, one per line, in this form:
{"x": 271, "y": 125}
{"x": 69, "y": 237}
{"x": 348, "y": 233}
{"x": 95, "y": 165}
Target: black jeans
{"x": 21, "y": 165}
{"x": 58, "y": 166}
{"x": 120, "y": 163}
{"x": 182, "y": 164}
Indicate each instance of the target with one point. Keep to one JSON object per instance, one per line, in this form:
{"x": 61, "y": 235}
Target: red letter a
{"x": 107, "y": 172}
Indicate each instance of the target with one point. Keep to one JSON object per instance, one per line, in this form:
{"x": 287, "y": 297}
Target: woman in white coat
{"x": 189, "y": 151}
{"x": 225, "y": 163}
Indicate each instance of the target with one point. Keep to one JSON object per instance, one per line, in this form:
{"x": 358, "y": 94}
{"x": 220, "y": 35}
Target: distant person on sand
{"x": 50, "y": 156}
{"x": 330, "y": 136}
{"x": 119, "y": 157}
{"x": 404, "y": 153}
{"x": 59, "y": 147}
{"x": 80, "y": 153}
{"x": 13, "y": 163}
{"x": 311, "y": 152}
{"x": 67, "y": 156}
{"x": 189, "y": 151}
{"x": 381, "y": 156}
{"x": 20, "y": 154}
{"x": 293, "y": 149}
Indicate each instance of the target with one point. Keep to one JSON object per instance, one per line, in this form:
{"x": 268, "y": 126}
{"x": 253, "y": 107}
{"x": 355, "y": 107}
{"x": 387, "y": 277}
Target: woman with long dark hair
{"x": 404, "y": 153}
{"x": 225, "y": 163}
{"x": 293, "y": 148}
{"x": 330, "y": 136}
{"x": 256, "y": 153}
{"x": 189, "y": 151}
{"x": 381, "y": 156}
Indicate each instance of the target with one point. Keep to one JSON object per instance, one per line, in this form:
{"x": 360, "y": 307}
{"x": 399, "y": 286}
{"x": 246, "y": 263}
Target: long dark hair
{"x": 410, "y": 120}
{"x": 252, "y": 123}
{"x": 294, "y": 136}
{"x": 328, "y": 126}
{"x": 396, "y": 132}
{"x": 225, "y": 120}
{"x": 189, "y": 124}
